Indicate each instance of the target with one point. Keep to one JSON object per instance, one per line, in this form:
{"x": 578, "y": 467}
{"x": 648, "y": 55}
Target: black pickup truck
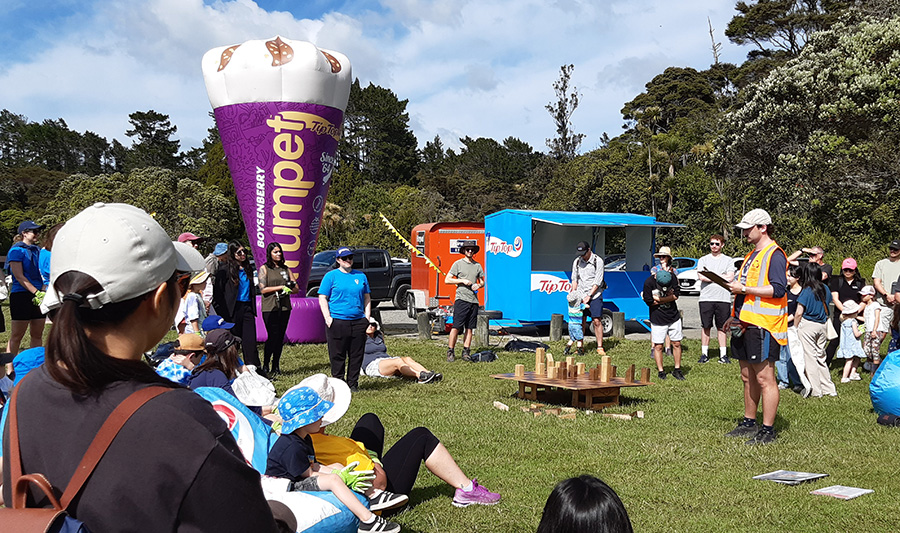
{"x": 389, "y": 279}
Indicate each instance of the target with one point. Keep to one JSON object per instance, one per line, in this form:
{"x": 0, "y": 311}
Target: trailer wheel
{"x": 606, "y": 320}
{"x": 411, "y": 308}
{"x": 312, "y": 292}
{"x": 493, "y": 315}
{"x": 400, "y": 296}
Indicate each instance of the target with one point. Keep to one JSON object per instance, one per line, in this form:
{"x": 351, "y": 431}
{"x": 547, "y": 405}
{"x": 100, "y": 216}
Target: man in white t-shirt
{"x": 886, "y": 272}
{"x": 715, "y": 301}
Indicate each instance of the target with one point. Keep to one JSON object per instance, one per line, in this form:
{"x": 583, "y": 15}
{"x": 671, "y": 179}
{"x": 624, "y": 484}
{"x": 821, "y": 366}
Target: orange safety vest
{"x": 767, "y": 313}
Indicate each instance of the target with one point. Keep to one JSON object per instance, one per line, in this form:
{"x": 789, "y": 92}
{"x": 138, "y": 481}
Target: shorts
{"x": 22, "y": 308}
{"x": 576, "y": 332}
{"x": 717, "y": 312}
{"x": 595, "y": 309}
{"x": 673, "y": 330}
{"x": 307, "y": 484}
{"x": 372, "y": 369}
{"x": 465, "y": 315}
{"x": 755, "y": 346}
{"x": 885, "y": 318}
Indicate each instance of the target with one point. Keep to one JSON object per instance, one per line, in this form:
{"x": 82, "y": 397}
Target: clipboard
{"x": 717, "y": 279}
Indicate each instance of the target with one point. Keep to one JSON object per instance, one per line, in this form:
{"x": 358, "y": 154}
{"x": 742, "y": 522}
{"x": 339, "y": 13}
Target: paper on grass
{"x": 789, "y": 477}
{"x": 841, "y": 492}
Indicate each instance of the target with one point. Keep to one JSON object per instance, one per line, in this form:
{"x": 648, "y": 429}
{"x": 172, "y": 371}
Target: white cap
{"x": 120, "y": 246}
{"x": 329, "y": 389}
{"x": 756, "y": 217}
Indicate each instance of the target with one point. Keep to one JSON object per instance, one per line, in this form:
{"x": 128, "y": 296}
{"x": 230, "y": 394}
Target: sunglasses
{"x": 346, "y": 258}
{"x": 715, "y": 244}
{"x": 241, "y": 252}
{"x": 848, "y": 269}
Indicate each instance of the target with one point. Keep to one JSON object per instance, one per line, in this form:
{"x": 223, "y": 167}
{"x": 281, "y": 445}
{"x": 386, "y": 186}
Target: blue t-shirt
{"x": 290, "y": 457}
{"x": 813, "y": 308}
{"x": 28, "y": 256}
{"x": 243, "y": 287}
{"x": 44, "y": 265}
{"x": 346, "y": 293}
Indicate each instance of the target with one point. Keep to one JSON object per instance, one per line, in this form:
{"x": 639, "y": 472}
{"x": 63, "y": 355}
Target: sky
{"x": 468, "y": 68}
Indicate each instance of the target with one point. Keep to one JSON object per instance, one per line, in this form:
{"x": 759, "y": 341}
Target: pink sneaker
{"x": 478, "y": 495}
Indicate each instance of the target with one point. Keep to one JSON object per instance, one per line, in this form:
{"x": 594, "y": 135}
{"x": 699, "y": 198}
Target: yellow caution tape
{"x": 408, "y": 244}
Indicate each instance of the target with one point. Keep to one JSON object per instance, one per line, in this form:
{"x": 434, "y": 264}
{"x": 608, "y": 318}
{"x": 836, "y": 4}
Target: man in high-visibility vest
{"x": 759, "y": 325}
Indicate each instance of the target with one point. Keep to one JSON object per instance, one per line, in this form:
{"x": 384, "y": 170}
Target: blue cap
{"x": 663, "y": 277}
{"x": 220, "y": 248}
{"x": 27, "y": 361}
{"x": 343, "y": 251}
{"x": 29, "y": 225}
{"x": 215, "y": 322}
{"x": 300, "y": 407}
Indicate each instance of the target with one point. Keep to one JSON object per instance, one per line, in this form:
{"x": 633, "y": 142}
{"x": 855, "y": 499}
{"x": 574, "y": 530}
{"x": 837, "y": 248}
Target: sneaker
{"x": 762, "y": 437}
{"x": 867, "y": 366}
{"x": 806, "y": 392}
{"x": 466, "y": 356}
{"x": 845, "y": 380}
{"x": 782, "y": 386}
{"x": 703, "y": 359}
{"x": 451, "y": 355}
{"x": 677, "y": 374}
{"x": 855, "y": 377}
{"x": 478, "y": 495}
{"x": 725, "y": 360}
{"x": 437, "y": 377}
{"x": 380, "y": 525}
{"x": 744, "y": 429}
{"x": 601, "y": 352}
{"x": 568, "y": 349}
{"x": 386, "y": 500}
{"x": 579, "y": 351}
{"x": 661, "y": 374}
{"x": 427, "y": 377}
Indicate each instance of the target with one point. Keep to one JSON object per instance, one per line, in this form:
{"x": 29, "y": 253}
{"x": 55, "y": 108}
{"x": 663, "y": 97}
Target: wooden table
{"x": 586, "y": 393}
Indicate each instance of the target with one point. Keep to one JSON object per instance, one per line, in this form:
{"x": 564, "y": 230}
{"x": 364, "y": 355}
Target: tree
{"x": 566, "y": 143}
{"x": 783, "y": 25}
{"x": 676, "y": 93}
{"x": 153, "y": 145}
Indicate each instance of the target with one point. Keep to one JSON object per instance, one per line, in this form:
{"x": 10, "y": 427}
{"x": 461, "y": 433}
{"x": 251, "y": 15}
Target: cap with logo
{"x": 29, "y": 225}
{"x": 895, "y": 245}
{"x": 582, "y": 247}
{"x": 343, "y": 251}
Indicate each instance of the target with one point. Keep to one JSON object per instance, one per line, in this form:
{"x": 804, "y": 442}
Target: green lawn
{"x": 674, "y": 470}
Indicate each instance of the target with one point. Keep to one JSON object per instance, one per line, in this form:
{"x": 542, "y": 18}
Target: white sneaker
{"x": 845, "y": 380}
{"x": 855, "y": 377}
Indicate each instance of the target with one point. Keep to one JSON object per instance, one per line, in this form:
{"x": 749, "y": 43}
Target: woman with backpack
{"x": 811, "y": 320}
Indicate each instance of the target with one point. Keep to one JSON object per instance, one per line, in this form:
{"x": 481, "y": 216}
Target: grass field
{"x": 675, "y": 470}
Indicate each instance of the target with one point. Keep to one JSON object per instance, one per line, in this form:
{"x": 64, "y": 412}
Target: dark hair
{"x": 856, "y": 276}
{"x": 794, "y": 271}
{"x": 227, "y": 361}
{"x": 770, "y": 229}
{"x": 581, "y": 504}
{"x": 72, "y": 359}
{"x": 232, "y": 265}
{"x": 50, "y": 235}
{"x": 718, "y": 237}
{"x": 811, "y": 277}
{"x": 270, "y": 263}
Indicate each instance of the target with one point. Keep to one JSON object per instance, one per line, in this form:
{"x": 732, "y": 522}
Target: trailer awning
{"x": 609, "y": 220}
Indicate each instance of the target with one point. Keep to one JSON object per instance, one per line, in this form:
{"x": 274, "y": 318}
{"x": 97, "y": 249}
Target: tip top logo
{"x": 549, "y": 283}
{"x": 497, "y": 246}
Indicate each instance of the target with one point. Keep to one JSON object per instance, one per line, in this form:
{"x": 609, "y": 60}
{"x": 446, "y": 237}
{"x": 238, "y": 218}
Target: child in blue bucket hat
{"x": 293, "y": 457}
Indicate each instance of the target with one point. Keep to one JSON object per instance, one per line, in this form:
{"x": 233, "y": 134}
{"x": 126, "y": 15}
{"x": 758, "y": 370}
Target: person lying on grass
{"x": 378, "y": 364}
{"x": 293, "y": 457}
{"x": 395, "y": 470}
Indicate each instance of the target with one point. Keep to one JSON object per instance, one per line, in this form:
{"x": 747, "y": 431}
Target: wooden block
{"x": 604, "y": 368}
{"x": 541, "y": 369}
{"x": 520, "y": 371}
{"x": 570, "y": 361}
{"x": 645, "y": 375}
{"x": 536, "y": 412}
{"x": 629, "y": 374}
{"x": 638, "y": 414}
{"x": 525, "y": 409}
{"x": 612, "y": 372}
{"x": 617, "y": 416}
{"x": 502, "y": 406}
{"x": 539, "y": 355}
{"x": 537, "y": 405}
{"x": 551, "y": 372}
{"x": 579, "y": 369}
{"x": 569, "y": 416}
{"x": 593, "y": 374}
{"x": 568, "y": 410}
{"x": 553, "y": 411}
{"x": 550, "y": 360}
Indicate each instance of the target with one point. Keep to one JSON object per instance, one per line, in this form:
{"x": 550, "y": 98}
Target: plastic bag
{"x": 252, "y": 389}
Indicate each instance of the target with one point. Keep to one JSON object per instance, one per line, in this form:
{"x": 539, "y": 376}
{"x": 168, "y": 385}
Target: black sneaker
{"x": 427, "y": 377}
{"x": 466, "y": 356}
{"x": 661, "y": 374}
{"x": 703, "y": 359}
{"x": 568, "y": 349}
{"x": 744, "y": 429}
{"x": 380, "y": 525}
{"x": 724, "y": 360}
{"x": 677, "y": 374}
{"x": 451, "y": 355}
{"x": 437, "y": 377}
{"x": 387, "y": 500}
{"x": 579, "y": 351}
{"x": 762, "y": 437}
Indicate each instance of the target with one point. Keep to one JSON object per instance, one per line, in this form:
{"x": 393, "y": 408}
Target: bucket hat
{"x": 300, "y": 407}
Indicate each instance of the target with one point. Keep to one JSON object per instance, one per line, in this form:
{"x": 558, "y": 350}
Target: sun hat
{"x": 373, "y": 322}
{"x": 191, "y": 342}
{"x": 663, "y": 251}
{"x": 218, "y": 340}
{"x": 28, "y": 225}
{"x": 663, "y": 277}
{"x": 220, "y": 249}
{"x": 850, "y": 307}
{"x": 756, "y": 217}
{"x": 188, "y": 237}
{"x": 343, "y": 251}
{"x": 848, "y": 263}
{"x": 200, "y": 278}
{"x": 215, "y": 322}
{"x": 582, "y": 247}
{"x": 333, "y": 390}
{"x": 299, "y": 407}
{"x": 463, "y": 244}
{"x": 122, "y": 248}
{"x": 572, "y": 297}
{"x": 868, "y": 289}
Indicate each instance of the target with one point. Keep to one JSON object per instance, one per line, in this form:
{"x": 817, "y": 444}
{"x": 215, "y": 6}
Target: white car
{"x": 688, "y": 282}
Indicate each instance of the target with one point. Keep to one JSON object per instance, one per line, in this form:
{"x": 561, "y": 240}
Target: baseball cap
{"x": 895, "y": 245}
{"x": 188, "y": 237}
{"x": 756, "y": 217}
{"x": 215, "y": 322}
{"x": 849, "y": 263}
{"x": 220, "y": 249}
{"x": 200, "y": 278}
{"x": 28, "y": 225}
{"x": 868, "y": 289}
{"x": 582, "y": 247}
{"x": 218, "y": 340}
{"x": 343, "y": 251}
{"x": 123, "y": 248}
{"x": 663, "y": 277}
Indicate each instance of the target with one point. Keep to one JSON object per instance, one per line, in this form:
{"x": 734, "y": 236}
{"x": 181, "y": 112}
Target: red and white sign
{"x": 497, "y": 246}
{"x": 549, "y": 283}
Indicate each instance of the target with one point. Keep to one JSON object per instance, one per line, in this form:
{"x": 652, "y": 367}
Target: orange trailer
{"x": 439, "y": 241}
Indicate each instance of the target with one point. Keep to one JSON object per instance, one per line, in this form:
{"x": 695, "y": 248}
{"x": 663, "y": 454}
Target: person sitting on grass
{"x": 187, "y": 355}
{"x": 584, "y": 504}
{"x": 395, "y": 470}
{"x": 293, "y": 457}
{"x": 378, "y": 364}
{"x": 576, "y": 318}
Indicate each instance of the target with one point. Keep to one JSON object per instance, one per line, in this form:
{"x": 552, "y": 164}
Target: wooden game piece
{"x": 502, "y": 406}
{"x": 536, "y": 412}
{"x": 520, "y": 371}
{"x": 553, "y": 411}
{"x": 537, "y": 405}
{"x": 594, "y": 374}
{"x": 569, "y": 416}
{"x": 604, "y": 368}
{"x": 629, "y": 374}
{"x": 539, "y": 355}
{"x": 579, "y": 369}
{"x": 550, "y": 361}
{"x": 562, "y": 371}
{"x": 551, "y": 372}
{"x": 525, "y": 409}
{"x": 541, "y": 369}
{"x": 612, "y": 372}
{"x": 568, "y": 409}
{"x": 570, "y": 361}
{"x": 645, "y": 375}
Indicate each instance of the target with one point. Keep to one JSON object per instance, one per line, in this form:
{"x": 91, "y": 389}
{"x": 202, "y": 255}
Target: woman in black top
{"x": 276, "y": 284}
{"x": 843, "y": 287}
{"x": 234, "y": 298}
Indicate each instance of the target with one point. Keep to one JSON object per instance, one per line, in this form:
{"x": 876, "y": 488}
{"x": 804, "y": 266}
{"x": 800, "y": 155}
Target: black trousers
{"x": 245, "y": 329}
{"x": 402, "y": 461}
{"x": 276, "y": 325}
{"x": 347, "y": 344}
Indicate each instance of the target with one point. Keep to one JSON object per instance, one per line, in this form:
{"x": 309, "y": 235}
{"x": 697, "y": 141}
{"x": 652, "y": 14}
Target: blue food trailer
{"x": 529, "y": 256}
